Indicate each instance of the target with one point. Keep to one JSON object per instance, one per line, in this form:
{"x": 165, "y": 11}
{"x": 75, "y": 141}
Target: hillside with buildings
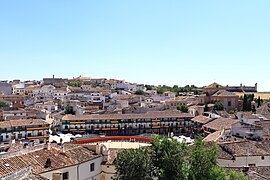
{"x": 42, "y": 123}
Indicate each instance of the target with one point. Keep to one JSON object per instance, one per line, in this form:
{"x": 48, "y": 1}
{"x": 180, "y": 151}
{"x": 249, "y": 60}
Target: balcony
{"x": 114, "y": 122}
{"x": 114, "y": 129}
{"x": 37, "y": 128}
{"x": 81, "y": 122}
{"x": 38, "y": 137}
{"x": 156, "y": 120}
{"x": 155, "y": 127}
{"x": 109, "y": 129}
{"x": 81, "y": 129}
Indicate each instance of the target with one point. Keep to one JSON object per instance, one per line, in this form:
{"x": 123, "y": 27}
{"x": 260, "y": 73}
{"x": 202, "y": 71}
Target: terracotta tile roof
{"x": 213, "y": 137}
{"x": 224, "y": 154}
{"x": 264, "y": 109}
{"x": 28, "y": 122}
{"x": 220, "y": 124}
{"x": 201, "y": 119}
{"x": 70, "y": 155}
{"x": 5, "y": 124}
{"x": 245, "y": 148}
{"x": 225, "y": 93}
{"x": 214, "y": 86}
{"x": 154, "y": 114}
{"x": 11, "y": 165}
{"x": 47, "y": 103}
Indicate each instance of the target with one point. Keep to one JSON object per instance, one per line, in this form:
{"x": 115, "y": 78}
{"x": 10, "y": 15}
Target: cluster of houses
{"x": 32, "y": 111}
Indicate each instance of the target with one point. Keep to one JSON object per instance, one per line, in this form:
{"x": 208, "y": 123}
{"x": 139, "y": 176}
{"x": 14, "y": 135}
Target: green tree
{"x": 182, "y": 108}
{"x": 3, "y": 104}
{"x": 148, "y": 87}
{"x": 237, "y": 176}
{"x": 134, "y": 164}
{"x": 247, "y": 102}
{"x": 206, "y": 108}
{"x": 139, "y": 92}
{"x": 259, "y": 101}
{"x": 219, "y": 106}
{"x": 203, "y": 161}
{"x": 218, "y": 173}
{"x": 69, "y": 110}
{"x": 168, "y": 158}
{"x": 75, "y": 84}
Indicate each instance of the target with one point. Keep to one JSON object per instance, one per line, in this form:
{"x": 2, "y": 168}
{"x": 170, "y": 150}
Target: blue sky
{"x": 151, "y": 42}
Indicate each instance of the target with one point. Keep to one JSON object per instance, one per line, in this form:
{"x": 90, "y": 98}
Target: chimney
{"x": 48, "y": 163}
{"x": 49, "y": 146}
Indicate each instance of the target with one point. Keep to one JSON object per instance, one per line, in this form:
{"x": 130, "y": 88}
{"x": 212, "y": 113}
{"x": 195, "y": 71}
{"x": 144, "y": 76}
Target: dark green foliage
{"x": 148, "y": 87}
{"x": 219, "y": 106}
{"x": 75, "y": 84}
{"x": 259, "y": 101}
{"x": 134, "y": 164}
{"x": 3, "y": 104}
{"x": 168, "y": 158}
{"x": 203, "y": 161}
{"x": 139, "y": 92}
{"x": 206, "y": 108}
{"x": 182, "y": 108}
{"x": 237, "y": 176}
{"x": 247, "y": 101}
{"x": 69, "y": 110}
{"x": 177, "y": 89}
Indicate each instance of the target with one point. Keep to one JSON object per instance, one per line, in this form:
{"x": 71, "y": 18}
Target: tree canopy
{"x": 139, "y": 92}
{"x": 75, "y": 84}
{"x": 168, "y": 159}
{"x": 3, "y": 104}
{"x": 247, "y": 102}
{"x": 182, "y": 108}
{"x": 69, "y": 110}
{"x": 177, "y": 89}
{"x": 219, "y": 106}
{"x": 134, "y": 164}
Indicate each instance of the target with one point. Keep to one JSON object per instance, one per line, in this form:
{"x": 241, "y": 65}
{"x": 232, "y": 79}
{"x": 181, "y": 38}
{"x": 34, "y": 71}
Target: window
{"x": 7, "y": 136}
{"x": 262, "y": 157}
{"x": 229, "y": 103}
{"x": 92, "y": 167}
{"x": 65, "y": 176}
